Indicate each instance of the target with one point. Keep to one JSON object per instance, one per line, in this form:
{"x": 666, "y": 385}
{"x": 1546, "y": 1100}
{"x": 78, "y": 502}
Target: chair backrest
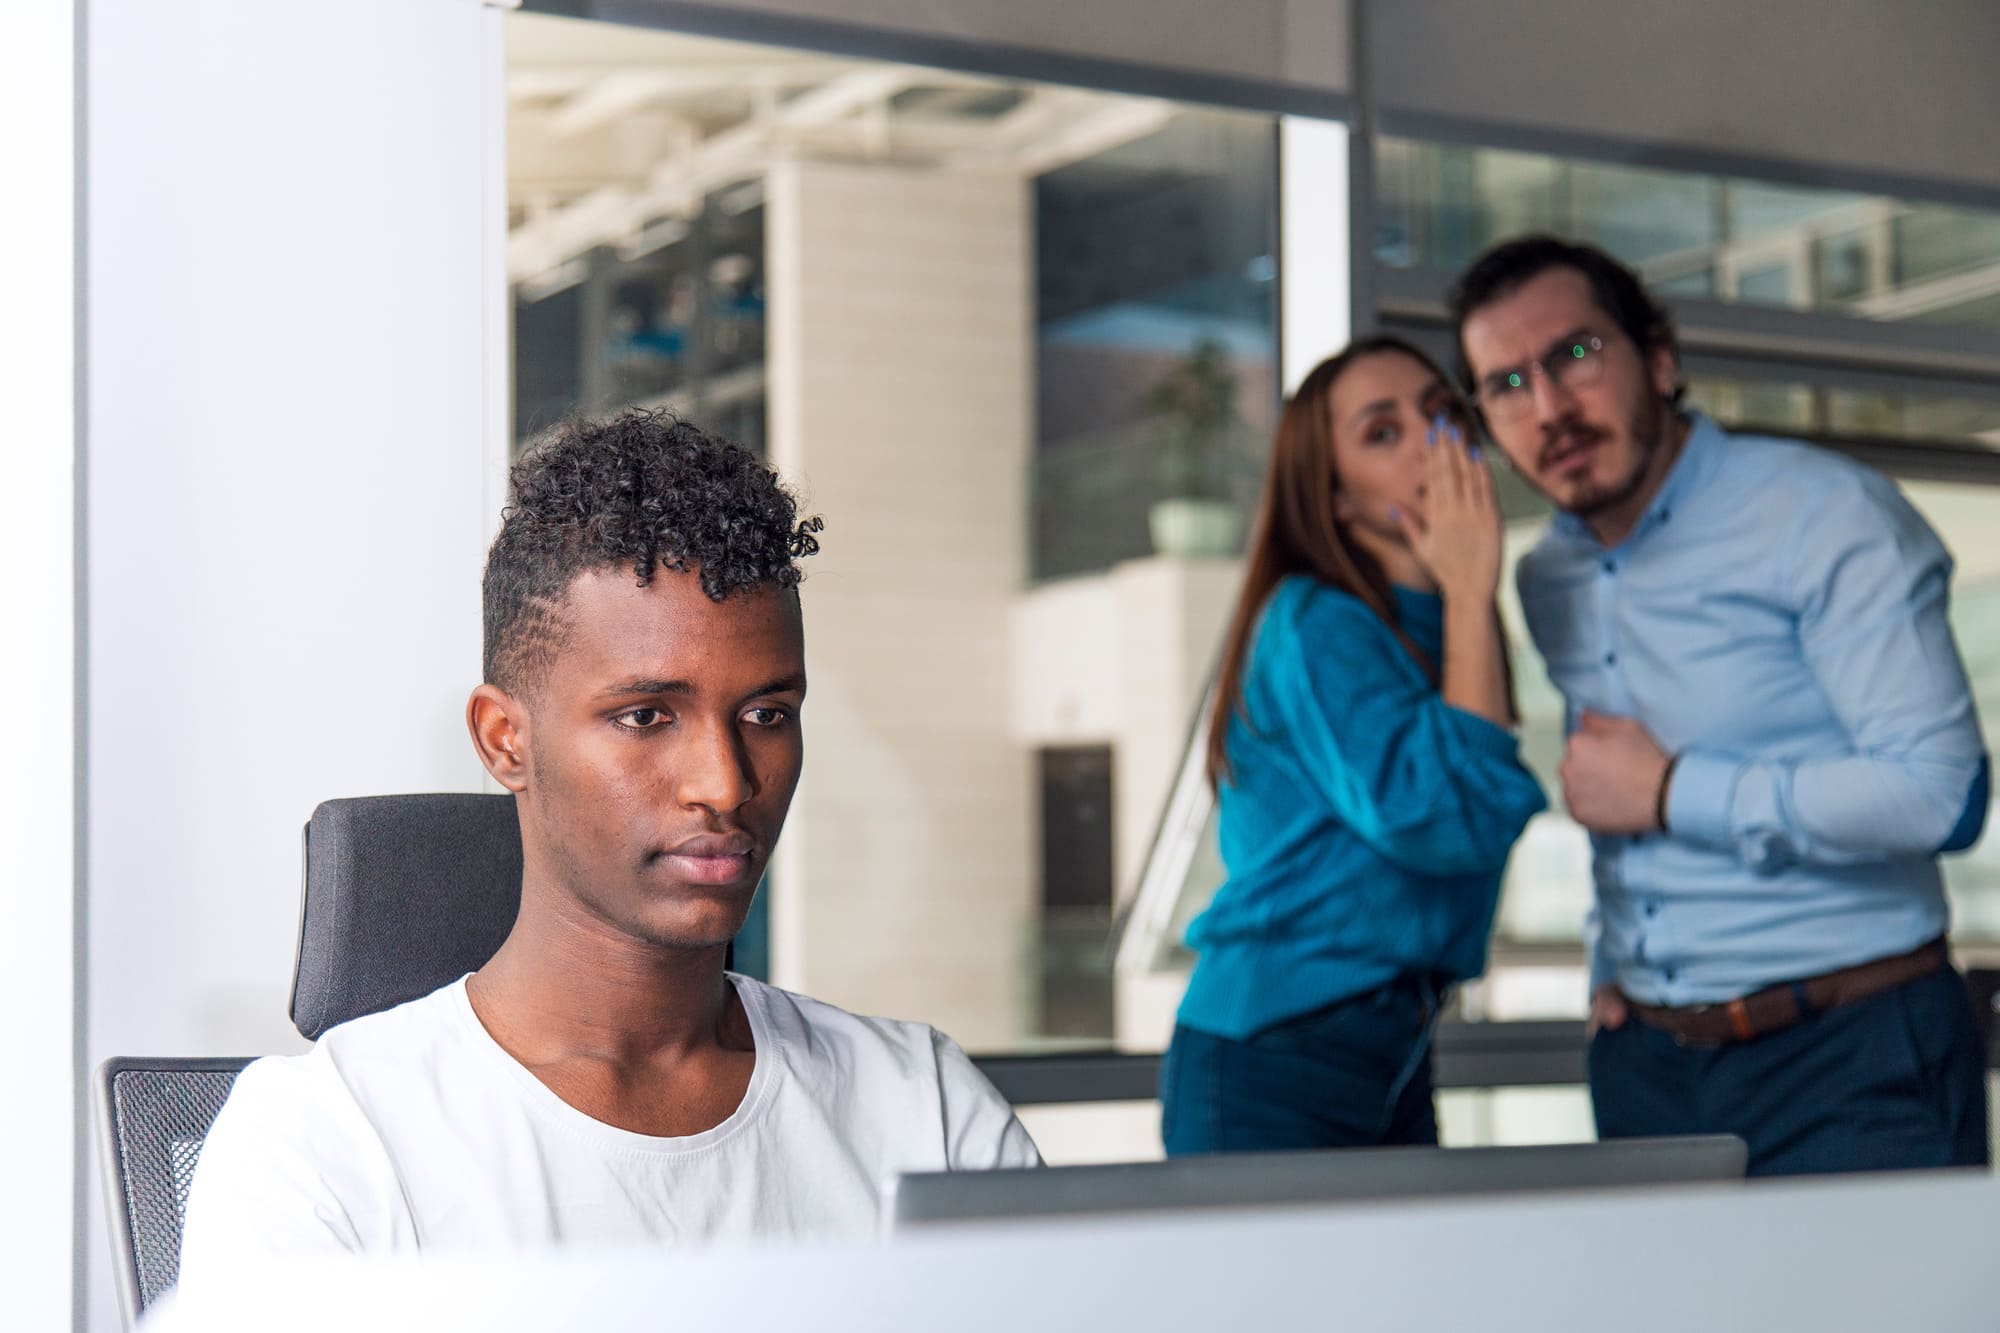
{"x": 403, "y": 894}
{"x": 152, "y": 1116}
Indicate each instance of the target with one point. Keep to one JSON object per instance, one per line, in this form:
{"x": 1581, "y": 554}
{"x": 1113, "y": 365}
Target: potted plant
{"x": 1193, "y": 410}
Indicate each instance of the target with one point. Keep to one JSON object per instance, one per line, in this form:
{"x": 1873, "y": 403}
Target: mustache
{"x": 1562, "y": 436}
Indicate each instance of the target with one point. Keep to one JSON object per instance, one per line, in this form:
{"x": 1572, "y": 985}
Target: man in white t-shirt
{"x": 603, "y": 1080}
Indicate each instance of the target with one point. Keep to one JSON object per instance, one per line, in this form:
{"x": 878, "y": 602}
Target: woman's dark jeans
{"x": 1356, "y": 1073}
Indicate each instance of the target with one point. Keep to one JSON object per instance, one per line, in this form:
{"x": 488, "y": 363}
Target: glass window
{"x": 1156, "y": 374}
{"x": 1017, "y": 343}
{"x": 1645, "y": 215}
{"x": 1536, "y": 968}
{"x": 674, "y": 319}
{"x": 1696, "y": 235}
{"x": 1914, "y": 417}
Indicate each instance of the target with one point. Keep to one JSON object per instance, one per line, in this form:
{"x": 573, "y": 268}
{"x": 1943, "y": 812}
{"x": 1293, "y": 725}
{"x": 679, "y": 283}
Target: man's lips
{"x": 712, "y": 858}
{"x": 1572, "y": 454}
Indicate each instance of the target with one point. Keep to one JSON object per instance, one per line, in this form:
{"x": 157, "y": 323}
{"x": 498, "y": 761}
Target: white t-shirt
{"x": 413, "y": 1130}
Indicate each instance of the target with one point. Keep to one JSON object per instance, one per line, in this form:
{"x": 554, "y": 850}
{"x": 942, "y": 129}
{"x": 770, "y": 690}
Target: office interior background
{"x": 1011, "y": 292}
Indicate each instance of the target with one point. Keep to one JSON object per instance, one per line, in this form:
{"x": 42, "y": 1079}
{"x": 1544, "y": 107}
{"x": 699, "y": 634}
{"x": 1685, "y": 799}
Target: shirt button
{"x": 1652, "y": 909}
{"x": 1611, "y": 566}
{"x": 1668, "y": 973}
{"x": 1611, "y": 659}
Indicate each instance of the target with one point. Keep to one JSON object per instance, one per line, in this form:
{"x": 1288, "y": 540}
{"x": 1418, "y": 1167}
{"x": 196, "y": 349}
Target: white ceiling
{"x": 614, "y": 132}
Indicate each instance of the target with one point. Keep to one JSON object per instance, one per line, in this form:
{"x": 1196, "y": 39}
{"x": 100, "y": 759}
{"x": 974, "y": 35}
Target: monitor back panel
{"x": 1249, "y": 1179}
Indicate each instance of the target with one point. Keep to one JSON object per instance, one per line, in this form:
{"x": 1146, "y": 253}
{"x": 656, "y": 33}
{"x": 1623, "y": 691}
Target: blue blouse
{"x": 1366, "y": 821}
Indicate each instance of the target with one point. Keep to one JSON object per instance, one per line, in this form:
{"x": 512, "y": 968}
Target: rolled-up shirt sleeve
{"x": 1869, "y": 584}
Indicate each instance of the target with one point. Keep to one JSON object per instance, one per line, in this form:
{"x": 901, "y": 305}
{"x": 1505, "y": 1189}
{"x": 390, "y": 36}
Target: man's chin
{"x": 683, "y": 935}
{"x": 702, "y": 915}
{"x": 1588, "y": 496}
{"x": 1584, "y": 501}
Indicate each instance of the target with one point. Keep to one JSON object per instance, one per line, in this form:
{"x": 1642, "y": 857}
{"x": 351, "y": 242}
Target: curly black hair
{"x": 642, "y": 489}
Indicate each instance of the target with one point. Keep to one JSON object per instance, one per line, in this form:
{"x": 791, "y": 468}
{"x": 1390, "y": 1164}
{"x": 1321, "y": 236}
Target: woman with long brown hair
{"x": 1368, "y": 782}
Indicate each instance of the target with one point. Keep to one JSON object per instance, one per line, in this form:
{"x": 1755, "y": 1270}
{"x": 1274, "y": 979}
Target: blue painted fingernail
{"x": 1474, "y": 453}
{"x": 1395, "y": 514}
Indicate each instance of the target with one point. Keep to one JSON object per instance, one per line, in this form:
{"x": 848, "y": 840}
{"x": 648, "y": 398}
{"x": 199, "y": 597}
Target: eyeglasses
{"x": 1574, "y": 363}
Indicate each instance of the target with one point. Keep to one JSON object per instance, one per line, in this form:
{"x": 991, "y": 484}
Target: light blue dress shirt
{"x": 1777, "y": 619}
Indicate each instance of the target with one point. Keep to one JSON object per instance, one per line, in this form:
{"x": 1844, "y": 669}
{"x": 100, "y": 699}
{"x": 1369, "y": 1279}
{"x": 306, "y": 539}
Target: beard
{"x": 1647, "y": 433}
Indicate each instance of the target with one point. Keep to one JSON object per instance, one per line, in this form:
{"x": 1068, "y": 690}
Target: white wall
{"x": 900, "y": 381}
{"x": 38, "y": 1113}
{"x": 296, "y": 413}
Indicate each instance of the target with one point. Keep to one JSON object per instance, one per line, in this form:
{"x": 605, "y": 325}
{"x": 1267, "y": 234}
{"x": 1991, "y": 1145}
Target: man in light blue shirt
{"x": 1771, "y": 740}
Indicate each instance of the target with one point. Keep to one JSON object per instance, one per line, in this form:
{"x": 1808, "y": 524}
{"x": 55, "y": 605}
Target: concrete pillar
{"x": 900, "y": 403}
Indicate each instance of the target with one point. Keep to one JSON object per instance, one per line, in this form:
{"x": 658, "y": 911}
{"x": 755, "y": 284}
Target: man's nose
{"x": 715, "y": 770}
{"x": 1552, "y": 401}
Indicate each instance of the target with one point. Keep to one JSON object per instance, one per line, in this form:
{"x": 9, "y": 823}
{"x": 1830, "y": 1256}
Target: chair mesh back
{"x": 158, "y": 1119}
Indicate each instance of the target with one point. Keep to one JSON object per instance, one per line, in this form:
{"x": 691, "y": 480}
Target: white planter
{"x": 1194, "y": 528}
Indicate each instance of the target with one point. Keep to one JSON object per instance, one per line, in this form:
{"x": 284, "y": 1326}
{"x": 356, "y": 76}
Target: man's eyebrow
{"x": 1576, "y": 335}
{"x": 795, "y": 683}
{"x": 644, "y": 686}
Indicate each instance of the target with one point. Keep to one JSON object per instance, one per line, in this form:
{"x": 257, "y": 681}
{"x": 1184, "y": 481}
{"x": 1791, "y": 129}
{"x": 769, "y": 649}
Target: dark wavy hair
{"x": 1507, "y": 267}
{"x": 644, "y": 490}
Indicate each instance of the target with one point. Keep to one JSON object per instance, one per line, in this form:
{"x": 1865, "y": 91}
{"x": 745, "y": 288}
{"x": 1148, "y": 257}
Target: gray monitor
{"x": 1228, "y": 1180}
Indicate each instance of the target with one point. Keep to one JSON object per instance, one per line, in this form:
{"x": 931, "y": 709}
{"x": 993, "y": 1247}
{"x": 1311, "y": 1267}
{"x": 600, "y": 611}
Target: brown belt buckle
{"x": 1739, "y": 1019}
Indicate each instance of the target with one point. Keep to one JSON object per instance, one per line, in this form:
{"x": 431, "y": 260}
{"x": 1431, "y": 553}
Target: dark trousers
{"x": 1891, "y": 1082}
{"x": 1353, "y": 1074}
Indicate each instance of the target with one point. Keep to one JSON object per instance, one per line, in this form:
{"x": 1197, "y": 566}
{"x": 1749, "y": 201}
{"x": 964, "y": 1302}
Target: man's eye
{"x": 767, "y": 717}
{"x": 1502, "y": 385}
{"x": 640, "y": 719}
{"x": 1382, "y": 434}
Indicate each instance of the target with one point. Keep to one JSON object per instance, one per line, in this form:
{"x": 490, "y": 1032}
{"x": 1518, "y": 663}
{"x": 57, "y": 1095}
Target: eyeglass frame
{"x": 1524, "y": 394}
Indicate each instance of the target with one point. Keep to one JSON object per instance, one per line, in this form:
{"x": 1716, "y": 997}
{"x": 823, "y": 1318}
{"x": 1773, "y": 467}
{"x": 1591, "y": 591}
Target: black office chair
{"x": 403, "y": 894}
{"x": 152, "y": 1116}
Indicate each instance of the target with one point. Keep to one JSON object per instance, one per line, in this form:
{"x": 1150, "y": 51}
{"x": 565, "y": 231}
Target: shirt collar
{"x": 1704, "y": 445}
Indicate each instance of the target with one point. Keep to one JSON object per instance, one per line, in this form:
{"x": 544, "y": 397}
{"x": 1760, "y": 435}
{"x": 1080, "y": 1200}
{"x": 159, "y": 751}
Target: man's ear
{"x": 499, "y": 727}
{"x": 1663, "y": 367}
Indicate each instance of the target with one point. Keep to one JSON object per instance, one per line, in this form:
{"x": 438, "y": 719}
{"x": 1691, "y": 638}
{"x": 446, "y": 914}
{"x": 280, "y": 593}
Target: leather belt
{"x": 1777, "y": 1007}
